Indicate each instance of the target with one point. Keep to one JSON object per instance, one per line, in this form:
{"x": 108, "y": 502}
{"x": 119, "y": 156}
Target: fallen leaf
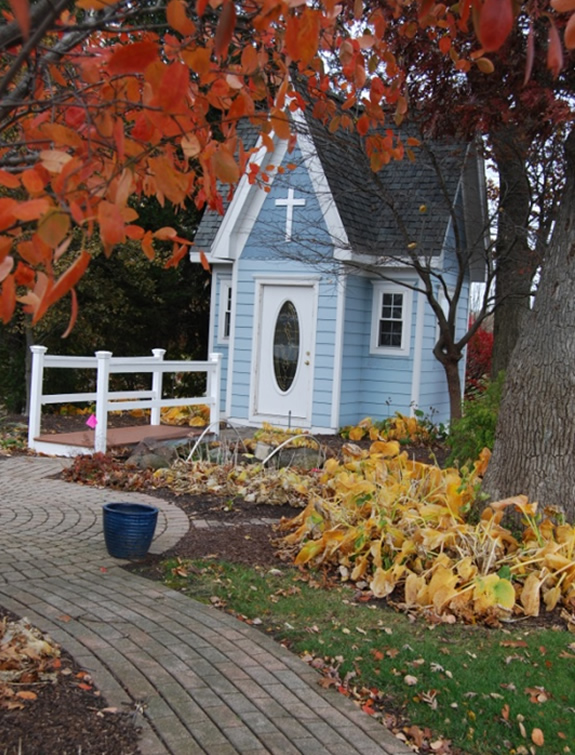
{"x": 26, "y": 695}
{"x": 410, "y": 680}
{"x": 537, "y": 737}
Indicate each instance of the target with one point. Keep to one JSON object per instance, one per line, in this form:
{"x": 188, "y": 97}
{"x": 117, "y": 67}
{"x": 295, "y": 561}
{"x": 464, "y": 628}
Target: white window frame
{"x": 226, "y": 305}
{"x": 379, "y": 289}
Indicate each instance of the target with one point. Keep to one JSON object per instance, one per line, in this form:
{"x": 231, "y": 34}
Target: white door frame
{"x": 311, "y": 282}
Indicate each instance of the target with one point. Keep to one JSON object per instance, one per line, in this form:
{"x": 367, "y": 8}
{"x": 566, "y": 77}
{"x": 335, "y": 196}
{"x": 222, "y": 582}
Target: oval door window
{"x": 286, "y": 346}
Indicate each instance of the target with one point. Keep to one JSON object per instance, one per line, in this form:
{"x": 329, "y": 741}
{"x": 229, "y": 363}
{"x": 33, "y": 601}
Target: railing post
{"x": 157, "y": 380}
{"x": 214, "y": 381}
{"x": 102, "y": 391}
{"x": 36, "y": 385}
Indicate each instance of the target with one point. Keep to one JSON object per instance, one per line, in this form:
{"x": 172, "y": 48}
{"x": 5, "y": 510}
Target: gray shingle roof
{"x": 381, "y": 212}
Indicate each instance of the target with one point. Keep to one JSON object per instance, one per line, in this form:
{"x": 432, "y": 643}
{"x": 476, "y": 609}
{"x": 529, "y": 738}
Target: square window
{"x": 391, "y": 320}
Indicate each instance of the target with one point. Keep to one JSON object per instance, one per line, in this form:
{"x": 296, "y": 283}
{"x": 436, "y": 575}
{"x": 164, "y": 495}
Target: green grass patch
{"x": 484, "y": 689}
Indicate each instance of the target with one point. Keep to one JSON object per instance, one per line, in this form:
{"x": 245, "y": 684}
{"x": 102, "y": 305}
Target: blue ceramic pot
{"x": 129, "y": 529}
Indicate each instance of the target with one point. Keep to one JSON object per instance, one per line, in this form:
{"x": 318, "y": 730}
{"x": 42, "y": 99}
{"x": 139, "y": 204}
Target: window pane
{"x": 390, "y": 333}
{"x": 286, "y": 346}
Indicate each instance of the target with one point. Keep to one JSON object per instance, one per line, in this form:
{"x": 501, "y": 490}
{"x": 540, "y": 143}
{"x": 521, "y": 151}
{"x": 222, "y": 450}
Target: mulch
{"x": 68, "y": 716}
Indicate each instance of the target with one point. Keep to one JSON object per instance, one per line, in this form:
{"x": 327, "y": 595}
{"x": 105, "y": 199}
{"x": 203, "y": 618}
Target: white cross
{"x": 289, "y": 204}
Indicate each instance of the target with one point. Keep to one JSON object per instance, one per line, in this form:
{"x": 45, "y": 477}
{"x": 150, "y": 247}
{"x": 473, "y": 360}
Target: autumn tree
{"x": 99, "y": 107}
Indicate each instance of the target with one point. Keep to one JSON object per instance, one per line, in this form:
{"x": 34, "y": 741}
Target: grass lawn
{"x": 485, "y": 690}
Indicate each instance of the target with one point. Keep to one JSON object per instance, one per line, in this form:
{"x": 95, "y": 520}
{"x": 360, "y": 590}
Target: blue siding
{"x": 373, "y": 385}
{"x": 433, "y": 397}
{"x": 357, "y": 324}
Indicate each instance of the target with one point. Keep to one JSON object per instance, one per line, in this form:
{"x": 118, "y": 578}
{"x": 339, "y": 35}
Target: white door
{"x": 283, "y": 374}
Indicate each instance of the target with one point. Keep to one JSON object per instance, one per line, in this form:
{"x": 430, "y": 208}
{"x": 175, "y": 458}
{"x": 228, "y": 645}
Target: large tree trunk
{"x": 515, "y": 263}
{"x": 534, "y": 449}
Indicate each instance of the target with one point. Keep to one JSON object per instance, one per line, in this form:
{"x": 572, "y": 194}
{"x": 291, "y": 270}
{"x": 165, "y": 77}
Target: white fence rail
{"x": 106, "y": 400}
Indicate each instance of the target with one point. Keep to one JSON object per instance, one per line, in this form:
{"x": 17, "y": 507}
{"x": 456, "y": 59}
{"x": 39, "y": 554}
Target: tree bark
{"x": 515, "y": 262}
{"x": 450, "y": 358}
{"x": 534, "y": 448}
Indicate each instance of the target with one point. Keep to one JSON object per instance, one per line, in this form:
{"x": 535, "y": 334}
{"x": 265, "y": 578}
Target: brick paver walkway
{"x": 198, "y": 680}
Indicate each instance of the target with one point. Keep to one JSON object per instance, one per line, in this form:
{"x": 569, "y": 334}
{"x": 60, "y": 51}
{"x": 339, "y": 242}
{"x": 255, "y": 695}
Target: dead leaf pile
{"x": 194, "y": 416}
{"x": 27, "y": 657}
{"x": 253, "y": 482}
{"x": 399, "y": 427}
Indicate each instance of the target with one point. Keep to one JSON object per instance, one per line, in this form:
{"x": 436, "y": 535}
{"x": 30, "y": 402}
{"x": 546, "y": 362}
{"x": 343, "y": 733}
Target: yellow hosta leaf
{"x": 383, "y": 583}
{"x": 530, "y": 595}
{"x": 436, "y": 539}
{"x": 415, "y": 586}
{"x": 552, "y": 597}
{"x": 389, "y": 448}
{"x": 310, "y": 550}
{"x": 520, "y": 502}
{"x": 197, "y": 422}
{"x": 441, "y": 587}
{"x": 356, "y": 433}
{"x": 492, "y": 591}
{"x": 466, "y": 569}
{"x": 555, "y": 561}
{"x": 456, "y": 495}
{"x": 360, "y": 568}
{"x": 565, "y": 533}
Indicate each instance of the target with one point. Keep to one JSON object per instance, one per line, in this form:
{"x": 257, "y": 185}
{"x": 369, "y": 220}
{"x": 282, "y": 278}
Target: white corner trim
{"x": 320, "y": 185}
{"x": 338, "y": 352}
{"x": 417, "y": 351}
{"x": 232, "y": 343}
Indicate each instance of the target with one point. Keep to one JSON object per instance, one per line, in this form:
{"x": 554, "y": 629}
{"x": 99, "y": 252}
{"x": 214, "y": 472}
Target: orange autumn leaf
{"x": 569, "y": 35}
{"x": 7, "y": 299}
{"x": 225, "y": 167}
{"x": 32, "y": 209}
{"x": 178, "y": 255}
{"x": 64, "y": 284}
{"x": 26, "y": 694}
{"x": 204, "y": 261}
{"x": 134, "y": 57}
{"x": 280, "y": 124}
{"x": 554, "y": 51}
{"x": 495, "y": 23}
{"x": 178, "y": 18}
{"x": 9, "y": 180}
{"x": 73, "y": 315}
{"x": 6, "y": 267}
{"x": 173, "y": 88}
{"x": 111, "y": 223}
{"x": 32, "y": 181}
{"x": 563, "y": 6}
{"x": 304, "y": 45}
{"x": 225, "y": 29}
{"x": 21, "y": 11}
{"x": 54, "y": 227}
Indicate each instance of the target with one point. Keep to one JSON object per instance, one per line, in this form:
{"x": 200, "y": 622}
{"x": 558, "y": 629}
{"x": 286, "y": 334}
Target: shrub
{"x": 478, "y": 363}
{"x": 475, "y": 431}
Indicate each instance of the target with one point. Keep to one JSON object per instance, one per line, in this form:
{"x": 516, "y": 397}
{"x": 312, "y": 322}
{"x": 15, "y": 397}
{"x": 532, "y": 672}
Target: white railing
{"x": 106, "y": 401}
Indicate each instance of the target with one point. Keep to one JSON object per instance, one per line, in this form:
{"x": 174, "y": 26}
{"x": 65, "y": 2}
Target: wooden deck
{"x": 121, "y": 436}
